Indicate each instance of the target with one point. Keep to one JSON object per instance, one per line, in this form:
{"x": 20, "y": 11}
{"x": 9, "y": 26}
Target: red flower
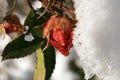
{"x": 9, "y": 27}
{"x": 60, "y": 29}
{"x": 12, "y": 24}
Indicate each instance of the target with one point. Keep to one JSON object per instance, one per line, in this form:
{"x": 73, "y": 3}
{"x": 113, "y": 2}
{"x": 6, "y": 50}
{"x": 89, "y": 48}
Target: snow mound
{"x": 97, "y": 37}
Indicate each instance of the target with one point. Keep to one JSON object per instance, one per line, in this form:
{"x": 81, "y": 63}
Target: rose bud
{"x": 60, "y": 33}
{"x": 12, "y": 24}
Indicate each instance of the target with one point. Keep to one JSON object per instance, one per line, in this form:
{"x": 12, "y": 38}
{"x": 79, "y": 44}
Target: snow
{"x": 97, "y": 36}
{"x": 29, "y": 38}
{"x": 37, "y": 4}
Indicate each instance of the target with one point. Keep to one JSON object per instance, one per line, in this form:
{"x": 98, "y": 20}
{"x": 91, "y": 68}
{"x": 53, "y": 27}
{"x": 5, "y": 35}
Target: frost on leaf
{"x": 29, "y": 37}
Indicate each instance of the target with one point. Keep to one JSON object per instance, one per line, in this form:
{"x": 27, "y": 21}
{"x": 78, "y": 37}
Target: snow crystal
{"x": 37, "y": 4}
{"x": 99, "y": 29}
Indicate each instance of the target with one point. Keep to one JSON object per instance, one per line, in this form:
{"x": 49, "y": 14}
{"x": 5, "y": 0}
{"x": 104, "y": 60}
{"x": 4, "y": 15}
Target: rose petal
{"x": 57, "y": 39}
{"x": 58, "y": 36}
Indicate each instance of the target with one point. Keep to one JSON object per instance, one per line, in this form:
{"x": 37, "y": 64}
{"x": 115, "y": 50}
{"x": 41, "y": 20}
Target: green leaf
{"x": 32, "y": 20}
{"x": 20, "y": 48}
{"x": 39, "y": 73}
{"x": 36, "y": 31}
{"x": 49, "y": 57}
{"x": 45, "y": 69}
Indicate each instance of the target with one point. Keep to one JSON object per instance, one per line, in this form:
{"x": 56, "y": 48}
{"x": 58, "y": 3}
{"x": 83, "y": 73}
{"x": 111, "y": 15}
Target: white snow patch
{"x": 98, "y": 29}
{"x": 29, "y": 37}
{"x": 37, "y": 4}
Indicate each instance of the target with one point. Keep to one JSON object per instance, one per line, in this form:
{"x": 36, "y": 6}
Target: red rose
{"x": 60, "y": 29}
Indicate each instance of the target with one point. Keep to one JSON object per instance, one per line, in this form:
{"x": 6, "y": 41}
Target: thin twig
{"x": 11, "y": 10}
{"x": 29, "y": 3}
{"x": 44, "y": 10}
